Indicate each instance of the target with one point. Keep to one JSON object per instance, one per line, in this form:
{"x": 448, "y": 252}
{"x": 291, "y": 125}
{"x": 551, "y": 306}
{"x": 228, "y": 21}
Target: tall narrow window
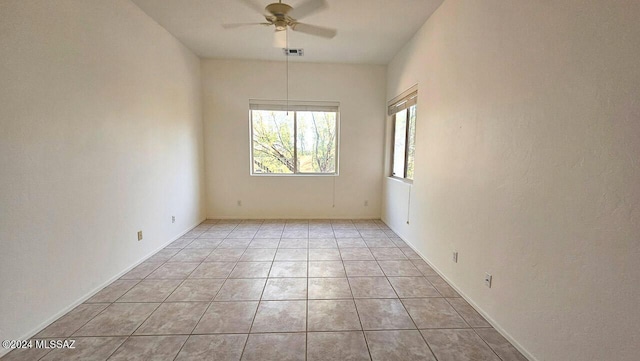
{"x": 295, "y": 139}
{"x": 403, "y": 115}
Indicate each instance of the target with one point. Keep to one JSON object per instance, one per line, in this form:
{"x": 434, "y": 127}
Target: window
{"x": 403, "y": 116}
{"x": 301, "y": 141}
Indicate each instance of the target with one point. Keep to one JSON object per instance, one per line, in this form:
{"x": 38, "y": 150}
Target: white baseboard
{"x": 97, "y": 289}
{"x": 478, "y": 309}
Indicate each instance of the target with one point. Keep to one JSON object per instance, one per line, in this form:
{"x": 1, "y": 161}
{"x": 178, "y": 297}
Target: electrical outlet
{"x": 139, "y": 235}
{"x": 455, "y": 256}
{"x": 173, "y": 219}
{"x": 239, "y": 203}
{"x": 487, "y": 279}
{"x": 366, "y": 203}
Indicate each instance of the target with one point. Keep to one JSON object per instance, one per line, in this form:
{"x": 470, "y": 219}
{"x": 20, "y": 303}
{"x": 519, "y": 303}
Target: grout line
{"x": 251, "y": 227}
{"x": 407, "y": 311}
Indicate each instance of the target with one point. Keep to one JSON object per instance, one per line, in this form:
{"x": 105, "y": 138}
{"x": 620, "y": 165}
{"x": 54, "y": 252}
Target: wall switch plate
{"x": 487, "y": 280}
{"x": 139, "y": 235}
{"x": 366, "y": 203}
{"x": 455, "y": 256}
{"x": 239, "y": 203}
{"x": 173, "y": 219}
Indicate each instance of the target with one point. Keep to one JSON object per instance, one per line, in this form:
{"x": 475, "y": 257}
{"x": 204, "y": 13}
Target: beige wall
{"x": 229, "y": 84}
{"x": 528, "y": 138}
{"x": 101, "y": 136}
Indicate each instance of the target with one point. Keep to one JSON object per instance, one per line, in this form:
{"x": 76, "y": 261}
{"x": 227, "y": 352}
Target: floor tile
{"x": 210, "y": 243}
{"x": 404, "y": 345}
{"x": 174, "y": 270}
{"x": 119, "y": 319}
{"x": 346, "y": 233}
{"x": 180, "y": 243}
{"x": 332, "y": 315}
{"x": 72, "y": 321}
{"x": 423, "y": 267}
{"x": 408, "y": 287}
{"x": 212, "y": 347}
{"x": 433, "y": 313}
{"x": 321, "y": 233}
{"x": 351, "y": 243}
{"x": 215, "y": 233}
{"x": 225, "y": 255}
{"x": 295, "y": 233}
{"x": 442, "y": 286}
{"x": 150, "y": 290}
{"x": 383, "y": 314}
{"x": 291, "y": 254}
{"x": 203, "y": 290}
{"x": 251, "y": 270}
{"x": 275, "y": 347}
{"x": 227, "y": 317}
{"x": 113, "y": 291}
{"x": 141, "y": 271}
{"x": 235, "y": 243}
{"x": 280, "y": 316}
{"x": 329, "y": 288}
{"x": 241, "y": 290}
{"x": 324, "y": 254}
{"x": 191, "y": 255}
{"x": 143, "y": 348}
{"x": 86, "y": 349}
{"x": 258, "y": 254}
{"x": 372, "y": 233}
{"x": 326, "y": 269}
{"x": 411, "y": 254}
{"x": 173, "y": 318}
{"x": 337, "y": 346}
{"x": 473, "y": 318}
{"x": 323, "y": 243}
{"x": 388, "y": 254}
{"x": 371, "y": 287}
{"x": 285, "y": 289}
{"x": 399, "y": 268}
{"x": 288, "y": 269}
{"x": 242, "y": 234}
{"x": 458, "y": 345}
{"x": 213, "y": 270}
{"x": 362, "y": 268}
{"x": 294, "y": 243}
{"x": 356, "y": 254}
{"x": 397, "y": 241}
{"x": 268, "y": 233}
{"x": 500, "y": 345}
{"x": 265, "y": 243}
{"x": 163, "y": 255}
{"x": 379, "y": 243}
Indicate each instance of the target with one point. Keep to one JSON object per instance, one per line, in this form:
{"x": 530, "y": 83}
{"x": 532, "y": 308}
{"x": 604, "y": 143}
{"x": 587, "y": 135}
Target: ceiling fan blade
{"x": 314, "y": 30}
{"x": 307, "y": 8}
{"x": 239, "y": 25}
{"x": 254, "y": 5}
{"x": 280, "y": 39}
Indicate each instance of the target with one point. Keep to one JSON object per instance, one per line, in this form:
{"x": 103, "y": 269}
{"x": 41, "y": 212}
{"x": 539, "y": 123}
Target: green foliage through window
{"x": 294, "y": 142}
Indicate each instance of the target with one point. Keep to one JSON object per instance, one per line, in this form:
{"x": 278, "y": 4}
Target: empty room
{"x": 387, "y": 180}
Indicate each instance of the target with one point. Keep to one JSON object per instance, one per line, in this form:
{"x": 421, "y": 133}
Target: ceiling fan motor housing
{"x": 278, "y": 9}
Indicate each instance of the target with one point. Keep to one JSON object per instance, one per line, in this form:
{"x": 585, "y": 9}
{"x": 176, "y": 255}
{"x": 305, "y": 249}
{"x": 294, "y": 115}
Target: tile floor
{"x": 278, "y": 290}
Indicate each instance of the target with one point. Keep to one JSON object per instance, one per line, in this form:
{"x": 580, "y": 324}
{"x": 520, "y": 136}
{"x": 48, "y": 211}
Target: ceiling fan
{"x": 283, "y": 16}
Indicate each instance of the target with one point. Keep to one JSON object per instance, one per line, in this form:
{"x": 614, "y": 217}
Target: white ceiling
{"x": 369, "y": 31}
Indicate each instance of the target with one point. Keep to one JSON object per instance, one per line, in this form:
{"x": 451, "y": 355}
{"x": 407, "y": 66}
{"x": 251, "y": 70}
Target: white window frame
{"x": 403, "y": 101}
{"x": 294, "y": 106}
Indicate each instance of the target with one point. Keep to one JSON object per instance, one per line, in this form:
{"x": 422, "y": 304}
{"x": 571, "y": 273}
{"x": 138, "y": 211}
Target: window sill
{"x": 303, "y": 175}
{"x": 401, "y": 180}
